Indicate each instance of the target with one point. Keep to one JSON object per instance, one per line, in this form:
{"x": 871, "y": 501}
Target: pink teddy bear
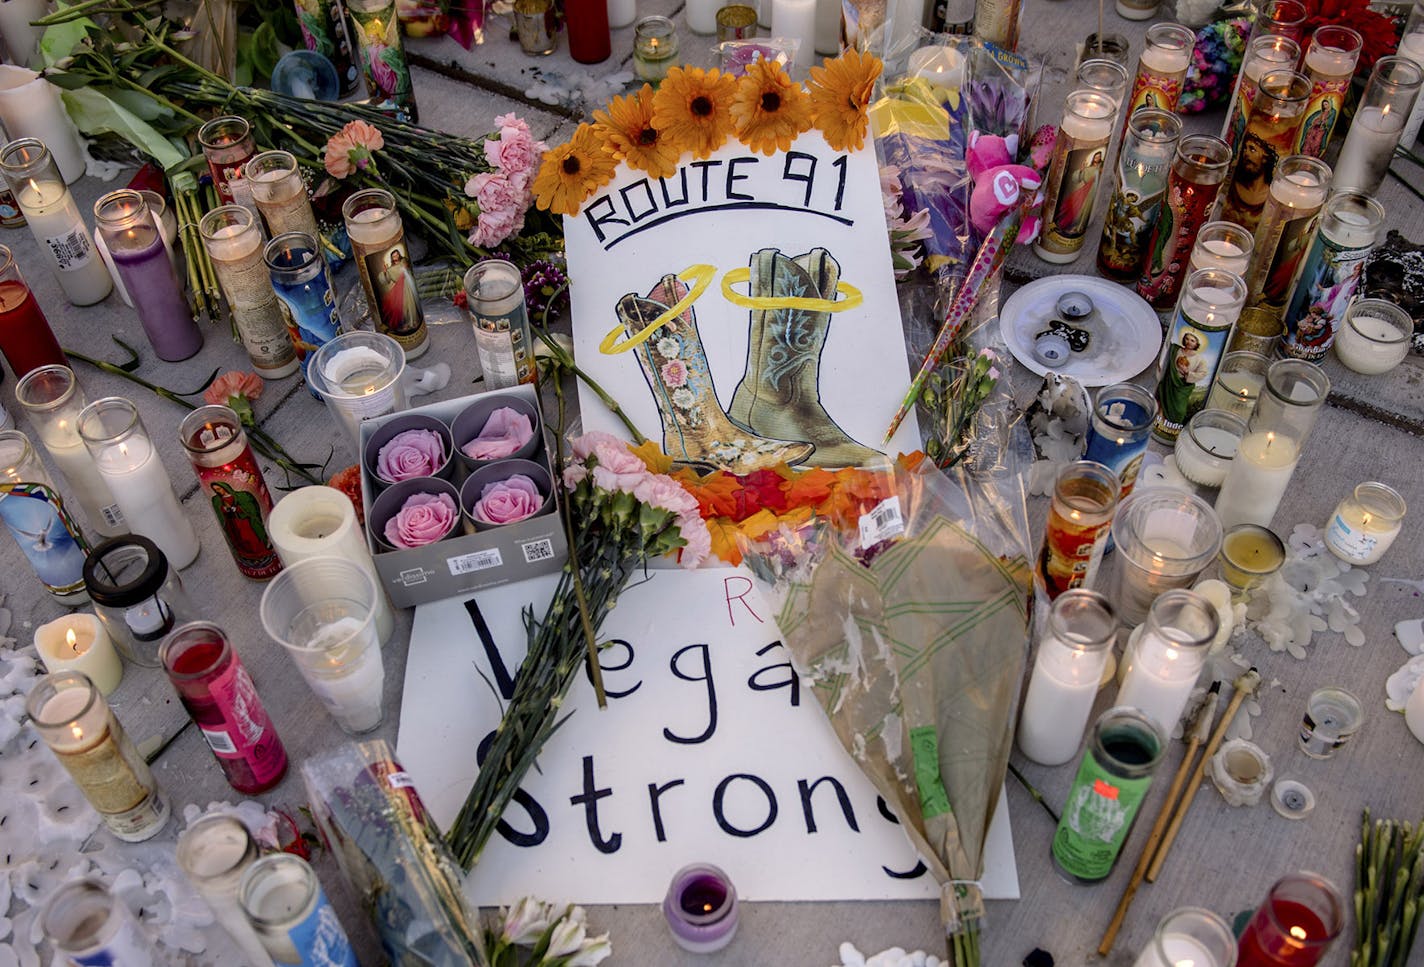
{"x": 999, "y": 183}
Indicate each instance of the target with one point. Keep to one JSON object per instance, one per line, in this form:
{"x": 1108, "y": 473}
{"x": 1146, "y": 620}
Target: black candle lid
{"x": 105, "y": 591}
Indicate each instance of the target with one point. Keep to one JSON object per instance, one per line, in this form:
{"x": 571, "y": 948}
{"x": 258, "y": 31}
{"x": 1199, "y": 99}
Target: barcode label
{"x": 400, "y": 780}
{"x": 219, "y": 742}
{"x": 882, "y": 522}
{"x": 71, "y": 250}
{"x": 478, "y": 561}
{"x": 113, "y": 517}
{"x": 536, "y": 551}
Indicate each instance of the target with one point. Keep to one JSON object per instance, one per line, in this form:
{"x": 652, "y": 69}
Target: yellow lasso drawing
{"x": 852, "y": 296}
{"x": 699, "y": 275}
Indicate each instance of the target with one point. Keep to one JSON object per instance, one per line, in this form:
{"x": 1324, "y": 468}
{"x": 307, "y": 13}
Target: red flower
{"x": 348, "y": 481}
{"x": 1380, "y": 38}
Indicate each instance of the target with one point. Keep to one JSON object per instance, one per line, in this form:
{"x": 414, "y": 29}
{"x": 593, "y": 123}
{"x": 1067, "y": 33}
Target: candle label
{"x": 1071, "y": 550}
{"x": 383, "y": 63}
{"x": 1188, "y": 369}
{"x": 241, "y": 502}
{"x": 1153, "y": 89}
{"x": 49, "y": 537}
{"x": 324, "y": 31}
{"x": 1184, "y": 211}
{"x": 319, "y": 939}
{"x": 228, "y": 170}
{"x": 243, "y": 729}
{"x": 1069, "y": 198}
{"x": 1137, "y": 199}
{"x": 265, "y": 335}
{"x": 390, "y": 284}
{"x": 1241, "y": 112}
{"x": 1326, "y": 287}
{"x": 1322, "y": 110}
{"x": 10, "y": 214}
{"x": 112, "y": 782}
{"x": 309, "y": 307}
{"x": 505, "y": 347}
{"x": 1355, "y": 544}
{"x": 72, "y": 250}
{"x": 1096, "y": 820}
{"x": 1281, "y": 253}
{"x": 1268, "y": 139}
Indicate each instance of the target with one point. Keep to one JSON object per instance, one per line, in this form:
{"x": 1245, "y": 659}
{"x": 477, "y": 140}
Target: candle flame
{"x": 1298, "y": 933}
{"x": 1074, "y": 515}
{"x": 1270, "y": 438}
{"x": 1384, "y": 111}
{"x": 1171, "y": 654}
{"x": 1185, "y": 963}
{"x": 1366, "y": 522}
{"x": 76, "y": 731}
{"x": 72, "y": 640}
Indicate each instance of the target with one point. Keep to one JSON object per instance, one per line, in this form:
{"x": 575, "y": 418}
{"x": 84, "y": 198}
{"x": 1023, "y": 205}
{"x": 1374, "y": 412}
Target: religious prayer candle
{"x": 26, "y": 339}
{"x": 1071, "y": 186}
{"x": 358, "y": 376}
{"x": 1411, "y": 45}
{"x": 1286, "y": 231}
{"x": 377, "y": 234}
{"x": 1250, "y": 554}
{"x": 995, "y": 21}
{"x": 1350, "y": 227}
{"x": 494, "y": 299}
{"x": 1268, "y": 138}
{"x": 34, "y": 513}
{"x": 126, "y": 458}
{"x": 214, "y": 851}
{"x": 76, "y": 724}
{"x": 1161, "y": 69}
{"x": 1084, "y": 498}
{"x": 141, "y": 260}
{"x": 1118, "y": 430}
{"x": 233, "y": 238}
{"x": 324, "y": 30}
{"x": 87, "y": 924}
{"x": 1329, "y": 63}
{"x": 301, "y": 281}
{"x": 1162, "y": 668}
{"x": 1301, "y": 918}
{"x": 1144, "y": 160}
{"x": 1378, "y": 124}
{"x": 1223, "y": 245}
{"x": 1365, "y": 524}
{"x": 31, "y": 108}
{"x": 1238, "y": 383}
{"x": 701, "y": 908}
{"x": 1268, "y": 52}
{"x": 1192, "y": 186}
{"x": 794, "y": 19}
{"x": 655, "y": 42}
{"x": 222, "y": 701}
{"x": 1067, "y": 670}
{"x": 79, "y": 643}
{"x": 53, "y": 399}
{"x": 1190, "y": 937}
{"x": 230, "y": 479}
{"x": 381, "y": 53}
{"x": 228, "y": 145}
{"x": 1207, "y": 446}
{"x": 276, "y": 183}
{"x": 284, "y": 902}
{"x": 137, "y": 596}
{"x": 1375, "y": 337}
{"x": 1210, "y": 303}
{"x": 54, "y": 220}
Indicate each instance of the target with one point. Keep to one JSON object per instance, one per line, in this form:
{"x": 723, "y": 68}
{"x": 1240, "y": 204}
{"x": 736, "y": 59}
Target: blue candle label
{"x": 320, "y": 940}
{"x": 72, "y": 250}
{"x": 309, "y": 307}
{"x": 1327, "y": 286}
{"x": 50, "y": 538}
{"x": 1114, "y": 443}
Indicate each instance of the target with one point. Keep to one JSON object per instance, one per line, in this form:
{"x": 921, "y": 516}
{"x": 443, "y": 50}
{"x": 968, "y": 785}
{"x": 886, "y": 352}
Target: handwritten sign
{"x": 710, "y": 750}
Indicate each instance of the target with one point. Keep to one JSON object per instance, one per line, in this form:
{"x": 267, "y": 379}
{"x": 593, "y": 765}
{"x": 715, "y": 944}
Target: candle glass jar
{"x": 1265, "y": 53}
{"x": 1114, "y": 47}
{"x": 1071, "y": 186}
{"x": 1223, "y": 245}
{"x": 87, "y": 924}
{"x": 1166, "y": 538}
{"x": 228, "y": 145}
{"x": 1210, "y": 304}
{"x": 1104, "y": 75}
{"x": 218, "y": 693}
{"x": 655, "y": 48}
{"x": 1332, "y": 717}
{"x": 137, "y": 596}
{"x": 301, "y": 281}
{"x": 1238, "y": 384}
{"x": 381, "y": 53}
{"x": 275, "y": 179}
{"x": 53, "y": 398}
{"x": 1301, "y": 917}
{"x": 1068, "y": 667}
{"x": 701, "y": 908}
{"x": 1143, "y": 162}
{"x": 141, "y": 260}
{"x": 232, "y": 236}
{"x": 76, "y": 724}
{"x": 55, "y": 222}
{"x": 1205, "y": 449}
{"x": 1257, "y": 331}
{"x": 1118, "y": 431}
{"x": 1350, "y": 226}
{"x": 1084, "y": 498}
{"x": 494, "y": 299}
{"x": 26, "y": 340}
{"x": 1286, "y": 231}
{"x": 214, "y": 851}
{"x": 378, "y": 242}
{"x": 34, "y": 513}
{"x": 326, "y": 33}
{"x": 322, "y": 611}
{"x": 1330, "y": 64}
{"x": 1365, "y": 524}
{"x": 1250, "y": 554}
{"x": 1268, "y": 137}
{"x": 1192, "y": 937}
{"x": 284, "y": 902}
{"x": 536, "y": 24}
{"x": 1378, "y": 124}
{"x": 230, "y": 478}
{"x": 735, "y": 21}
{"x": 1124, "y": 749}
{"x": 1162, "y": 668}
{"x": 1411, "y": 45}
{"x": 1375, "y": 337}
{"x": 128, "y": 461}
{"x": 1166, "y": 55}
{"x": 358, "y": 376}
{"x": 1192, "y": 186}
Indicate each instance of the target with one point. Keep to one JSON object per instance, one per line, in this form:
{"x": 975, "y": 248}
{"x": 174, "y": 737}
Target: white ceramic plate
{"x": 1125, "y": 335}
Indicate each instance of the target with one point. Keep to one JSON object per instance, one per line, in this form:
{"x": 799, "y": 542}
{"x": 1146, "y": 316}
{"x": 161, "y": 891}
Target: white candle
{"x": 78, "y": 642}
{"x": 143, "y": 491}
{"x": 30, "y": 108}
{"x": 346, "y": 675}
{"x": 1259, "y": 476}
{"x": 796, "y": 19}
{"x": 84, "y": 483}
{"x": 1365, "y": 524}
{"x": 1328, "y": 62}
{"x": 1220, "y": 253}
{"x": 1204, "y": 454}
{"x": 942, "y": 65}
{"x": 702, "y": 16}
{"x": 828, "y": 26}
{"x": 1219, "y": 594}
{"x": 1059, "y": 700}
{"x": 53, "y": 218}
{"x": 1162, "y": 59}
{"x": 1371, "y": 345}
{"x": 1300, "y": 189}
{"x": 1159, "y": 679}
{"x": 1181, "y": 951}
{"x": 1368, "y": 150}
{"x": 622, "y": 13}
{"x": 1412, "y": 46}
{"x": 21, "y": 39}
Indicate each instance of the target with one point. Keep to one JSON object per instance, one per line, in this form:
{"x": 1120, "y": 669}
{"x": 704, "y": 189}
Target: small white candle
{"x": 1165, "y": 60}
{"x": 702, "y": 16}
{"x": 796, "y": 19}
{"x": 1204, "y": 454}
{"x": 1365, "y": 524}
{"x": 1368, "y": 149}
{"x": 1259, "y": 476}
{"x": 1412, "y": 46}
{"x": 144, "y": 492}
{"x": 78, "y": 642}
{"x": 1220, "y": 253}
{"x": 1181, "y": 951}
{"x": 30, "y": 108}
{"x": 1370, "y": 344}
{"x": 1059, "y": 700}
{"x": 1300, "y": 189}
{"x": 346, "y": 676}
{"x": 1324, "y": 62}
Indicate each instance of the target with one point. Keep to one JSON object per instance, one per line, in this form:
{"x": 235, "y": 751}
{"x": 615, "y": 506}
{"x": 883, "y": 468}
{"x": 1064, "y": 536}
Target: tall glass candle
{"x": 284, "y": 902}
{"x": 76, "y": 724}
{"x": 141, "y": 259}
{"x": 995, "y": 21}
{"x": 26, "y": 340}
{"x": 55, "y": 222}
{"x": 218, "y": 693}
{"x": 1378, "y": 124}
{"x": 1165, "y": 539}
{"x": 1268, "y": 52}
{"x": 34, "y": 513}
{"x": 1067, "y": 669}
{"x": 494, "y": 298}
{"x": 1210, "y": 303}
{"x": 1084, "y": 498}
{"x": 137, "y": 596}
{"x": 382, "y": 56}
{"x": 1161, "y": 69}
{"x": 1276, "y": 432}
{"x": 324, "y": 30}
{"x": 228, "y": 145}
{"x": 1238, "y": 383}
{"x": 1162, "y": 668}
{"x": 1365, "y": 524}
{"x": 1350, "y": 226}
{"x": 1375, "y": 337}
{"x": 1286, "y": 231}
{"x": 128, "y": 461}
{"x": 1143, "y": 163}
{"x": 1192, "y": 186}
{"x": 31, "y": 108}
{"x": 377, "y": 234}
{"x": 358, "y": 376}
{"x": 53, "y": 399}
{"x": 302, "y": 283}
{"x": 1257, "y": 331}
{"x": 1223, "y": 245}
{"x": 88, "y": 924}
{"x": 1102, "y": 75}
{"x": 1269, "y": 136}
{"x": 1329, "y": 63}
{"x": 214, "y": 851}
{"x": 1118, "y": 430}
{"x": 1301, "y": 918}
{"x": 233, "y": 238}
{"x": 275, "y": 180}
{"x": 1071, "y": 186}
{"x": 230, "y": 478}
{"x": 1190, "y": 937}
{"x": 1411, "y": 45}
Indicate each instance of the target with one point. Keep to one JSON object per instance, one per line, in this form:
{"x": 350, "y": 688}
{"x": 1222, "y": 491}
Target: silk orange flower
{"x": 627, "y": 126}
{"x": 573, "y": 171}
{"x": 692, "y": 109}
{"x": 769, "y": 109}
{"x": 840, "y": 96}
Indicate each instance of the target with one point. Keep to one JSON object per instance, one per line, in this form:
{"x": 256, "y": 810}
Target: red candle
{"x": 587, "y": 21}
{"x": 25, "y": 336}
{"x": 1302, "y": 916}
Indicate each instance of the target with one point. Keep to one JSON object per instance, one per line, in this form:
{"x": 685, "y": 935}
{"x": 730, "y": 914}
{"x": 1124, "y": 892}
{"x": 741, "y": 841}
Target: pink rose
{"x": 504, "y": 433}
{"x": 661, "y": 491}
{"x": 423, "y": 519}
{"x": 410, "y": 453}
{"x": 584, "y": 446}
{"x": 507, "y": 501}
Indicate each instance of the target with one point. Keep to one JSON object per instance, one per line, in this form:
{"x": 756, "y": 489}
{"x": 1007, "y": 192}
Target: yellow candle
{"x": 1250, "y": 554}
{"x": 78, "y": 642}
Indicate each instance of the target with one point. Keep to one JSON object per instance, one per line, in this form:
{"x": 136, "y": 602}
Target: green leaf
{"x": 94, "y": 113}
{"x": 68, "y": 82}
{"x": 59, "y": 41}
{"x": 266, "y": 50}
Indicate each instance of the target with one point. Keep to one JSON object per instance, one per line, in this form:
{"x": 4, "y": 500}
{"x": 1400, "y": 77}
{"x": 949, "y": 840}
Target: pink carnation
{"x": 699, "y": 540}
{"x": 502, "y": 203}
{"x": 663, "y": 492}
{"x": 351, "y": 148}
{"x": 583, "y": 446}
{"x": 233, "y": 384}
{"x": 423, "y": 519}
{"x": 610, "y": 480}
{"x": 515, "y": 153}
{"x": 491, "y": 228}
{"x": 574, "y": 474}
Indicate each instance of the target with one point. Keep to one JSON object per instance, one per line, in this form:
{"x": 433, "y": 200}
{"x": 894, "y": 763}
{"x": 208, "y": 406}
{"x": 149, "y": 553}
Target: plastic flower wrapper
{"x": 391, "y": 852}
{"x": 910, "y": 625}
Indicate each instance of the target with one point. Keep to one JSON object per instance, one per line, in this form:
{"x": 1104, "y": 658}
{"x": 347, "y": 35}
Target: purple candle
{"x": 701, "y": 908}
{"x": 141, "y": 260}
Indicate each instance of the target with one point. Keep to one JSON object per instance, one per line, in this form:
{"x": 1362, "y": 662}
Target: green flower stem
{"x": 565, "y": 361}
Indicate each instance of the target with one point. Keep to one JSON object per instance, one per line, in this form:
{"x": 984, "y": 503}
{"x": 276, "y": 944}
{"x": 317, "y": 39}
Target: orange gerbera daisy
{"x": 840, "y": 94}
{"x": 692, "y": 109}
{"x": 769, "y": 108}
{"x": 628, "y": 127}
{"x": 573, "y": 171}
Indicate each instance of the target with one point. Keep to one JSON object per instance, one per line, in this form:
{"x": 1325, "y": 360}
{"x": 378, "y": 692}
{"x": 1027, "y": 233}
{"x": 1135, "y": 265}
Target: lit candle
{"x": 1190, "y": 937}
{"x": 796, "y": 19}
{"x": 1071, "y": 186}
{"x": 1268, "y": 137}
{"x": 233, "y": 239}
{"x": 1286, "y": 231}
{"x": 1160, "y": 69}
{"x": 1365, "y": 523}
{"x": 1378, "y": 124}
{"x": 227, "y": 145}
{"x": 1238, "y": 384}
{"x": 377, "y": 235}
{"x": 358, "y": 376}
{"x": 1165, "y": 538}
{"x": 1266, "y": 53}
{"x": 26, "y": 339}
{"x": 1301, "y": 917}
{"x": 78, "y": 642}
{"x": 1191, "y": 355}
{"x": 137, "y": 596}
{"x": 1350, "y": 225}
{"x": 1067, "y": 670}
{"x": 141, "y": 259}
{"x": 1149, "y": 143}
{"x": 281, "y": 195}
{"x": 1223, "y": 245}
{"x": 1084, "y": 498}
{"x": 1375, "y": 337}
{"x": 1204, "y": 451}
{"x": 943, "y": 66}
{"x": 1329, "y": 63}
{"x": 701, "y": 908}
{"x": 655, "y": 41}
{"x": 1162, "y": 669}
{"x": 230, "y": 479}
{"x": 302, "y": 283}
{"x": 1250, "y": 554}
{"x": 1259, "y": 476}
{"x": 31, "y": 108}
{"x": 1118, "y": 430}
{"x": 1196, "y": 178}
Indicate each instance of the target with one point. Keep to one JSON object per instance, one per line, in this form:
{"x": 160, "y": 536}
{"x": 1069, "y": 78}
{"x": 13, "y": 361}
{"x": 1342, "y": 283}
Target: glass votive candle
{"x": 88, "y": 924}
{"x": 228, "y": 145}
{"x": 701, "y": 908}
{"x": 1365, "y": 523}
{"x": 1204, "y": 450}
{"x": 137, "y": 596}
{"x": 1102, "y": 74}
{"x": 1302, "y": 915}
{"x": 1238, "y": 383}
{"x": 1114, "y": 47}
{"x": 1161, "y": 669}
{"x": 736, "y": 21}
{"x": 654, "y": 48}
{"x": 1332, "y": 717}
{"x": 284, "y": 902}
{"x": 1257, "y": 331}
{"x": 358, "y": 376}
{"x": 536, "y": 25}
{"x": 1121, "y": 422}
{"x": 275, "y": 180}
{"x": 1075, "y": 537}
{"x": 1374, "y": 337}
{"x": 1166, "y": 538}
{"x": 1250, "y": 553}
{"x": 1067, "y": 669}
{"x": 1192, "y": 937}
{"x": 1223, "y": 245}
{"x": 214, "y": 851}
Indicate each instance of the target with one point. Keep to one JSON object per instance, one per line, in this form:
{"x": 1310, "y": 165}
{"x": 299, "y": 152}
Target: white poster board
{"x": 709, "y": 751}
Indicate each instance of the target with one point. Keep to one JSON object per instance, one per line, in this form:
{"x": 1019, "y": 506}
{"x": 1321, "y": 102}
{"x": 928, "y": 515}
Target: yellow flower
{"x": 769, "y": 108}
{"x": 691, "y": 109}
{"x": 840, "y": 94}
{"x": 627, "y": 126}
{"x": 571, "y": 172}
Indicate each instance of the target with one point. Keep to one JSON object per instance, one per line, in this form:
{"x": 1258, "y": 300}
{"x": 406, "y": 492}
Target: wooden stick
{"x": 1201, "y": 727}
{"x": 1245, "y": 686}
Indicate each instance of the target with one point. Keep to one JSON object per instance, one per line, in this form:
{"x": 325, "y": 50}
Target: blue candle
{"x": 304, "y": 291}
{"x": 1117, "y": 435}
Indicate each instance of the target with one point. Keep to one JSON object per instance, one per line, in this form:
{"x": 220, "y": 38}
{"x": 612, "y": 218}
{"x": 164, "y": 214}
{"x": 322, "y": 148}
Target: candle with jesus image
{"x": 1286, "y": 231}
{"x": 1071, "y": 187}
{"x": 1270, "y": 135}
{"x": 378, "y": 241}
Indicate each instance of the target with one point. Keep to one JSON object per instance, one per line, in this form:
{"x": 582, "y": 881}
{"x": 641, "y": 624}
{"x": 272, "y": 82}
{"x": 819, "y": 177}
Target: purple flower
{"x": 411, "y": 453}
{"x": 507, "y": 501}
{"x": 503, "y": 434}
{"x": 423, "y": 519}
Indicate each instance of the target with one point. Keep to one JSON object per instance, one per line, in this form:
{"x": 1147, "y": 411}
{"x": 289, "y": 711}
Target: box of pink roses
{"x": 460, "y": 495}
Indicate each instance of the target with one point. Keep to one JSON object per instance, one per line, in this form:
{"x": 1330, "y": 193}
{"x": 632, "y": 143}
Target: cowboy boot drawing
{"x": 780, "y": 394}
{"x": 695, "y": 428}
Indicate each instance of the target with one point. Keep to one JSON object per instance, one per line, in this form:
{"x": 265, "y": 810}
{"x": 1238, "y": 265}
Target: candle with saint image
{"x": 1269, "y": 136}
{"x": 1210, "y": 304}
{"x": 26, "y": 339}
{"x": 230, "y": 478}
{"x": 1378, "y": 124}
{"x": 1329, "y": 63}
{"x": 1197, "y": 174}
{"x": 1149, "y": 143}
{"x": 1350, "y": 226}
{"x": 232, "y": 236}
{"x": 1265, "y": 53}
{"x": 377, "y": 235}
{"x": 1161, "y": 69}
{"x": 141, "y": 260}
{"x": 275, "y": 181}
{"x": 228, "y": 145}
{"x": 1161, "y": 671}
{"x": 1286, "y": 231}
{"x": 78, "y": 642}
{"x": 1084, "y": 497}
{"x": 1067, "y": 670}
{"x": 1071, "y": 186}
{"x": 1301, "y": 917}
